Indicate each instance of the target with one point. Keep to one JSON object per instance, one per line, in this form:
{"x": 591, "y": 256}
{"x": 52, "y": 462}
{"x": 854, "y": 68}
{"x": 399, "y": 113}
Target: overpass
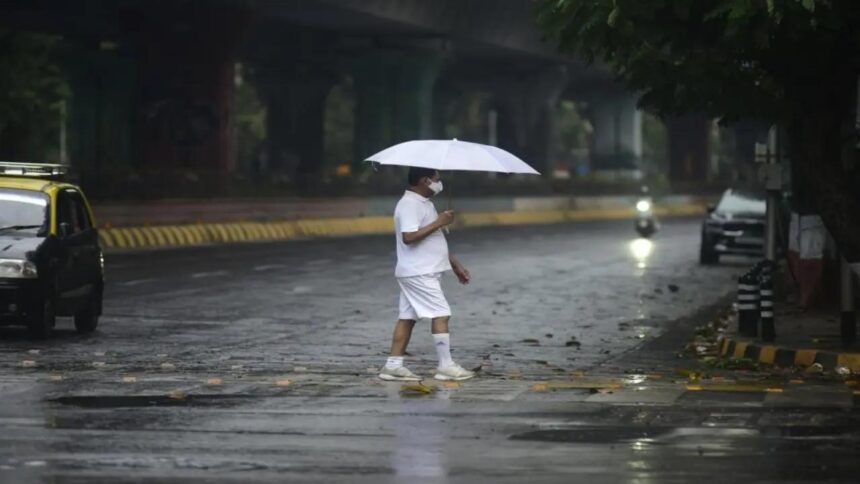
{"x": 153, "y": 81}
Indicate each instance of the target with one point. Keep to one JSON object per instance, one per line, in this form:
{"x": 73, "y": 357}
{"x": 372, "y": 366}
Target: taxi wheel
{"x": 42, "y": 322}
{"x": 87, "y": 319}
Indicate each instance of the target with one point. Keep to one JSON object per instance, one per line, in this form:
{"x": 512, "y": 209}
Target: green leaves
{"x": 730, "y": 58}
{"x": 613, "y": 17}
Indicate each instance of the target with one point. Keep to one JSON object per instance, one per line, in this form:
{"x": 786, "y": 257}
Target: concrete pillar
{"x": 186, "y": 57}
{"x": 526, "y": 115}
{"x": 689, "y": 148}
{"x": 394, "y": 97}
{"x": 101, "y": 114}
{"x": 617, "y": 138}
{"x": 295, "y": 97}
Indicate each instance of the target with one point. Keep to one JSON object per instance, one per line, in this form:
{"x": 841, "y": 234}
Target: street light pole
{"x": 848, "y": 328}
{"x": 773, "y": 185}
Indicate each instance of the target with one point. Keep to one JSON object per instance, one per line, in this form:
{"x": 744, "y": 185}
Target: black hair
{"x": 416, "y": 174}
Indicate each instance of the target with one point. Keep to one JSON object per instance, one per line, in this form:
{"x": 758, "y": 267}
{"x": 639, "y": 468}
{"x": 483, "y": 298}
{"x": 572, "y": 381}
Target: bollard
{"x": 848, "y": 328}
{"x": 748, "y": 308}
{"x": 768, "y": 330}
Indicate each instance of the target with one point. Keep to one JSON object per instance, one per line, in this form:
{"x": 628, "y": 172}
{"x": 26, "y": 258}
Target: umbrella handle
{"x": 447, "y": 231}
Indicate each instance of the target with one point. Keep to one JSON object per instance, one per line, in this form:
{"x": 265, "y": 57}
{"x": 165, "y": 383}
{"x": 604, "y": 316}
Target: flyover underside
{"x": 171, "y": 107}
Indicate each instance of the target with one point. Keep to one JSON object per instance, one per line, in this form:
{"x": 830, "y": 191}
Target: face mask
{"x": 436, "y": 186}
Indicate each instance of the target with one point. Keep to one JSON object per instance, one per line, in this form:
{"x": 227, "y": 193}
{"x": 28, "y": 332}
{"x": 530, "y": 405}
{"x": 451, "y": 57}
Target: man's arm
{"x": 445, "y": 218}
{"x": 459, "y": 270}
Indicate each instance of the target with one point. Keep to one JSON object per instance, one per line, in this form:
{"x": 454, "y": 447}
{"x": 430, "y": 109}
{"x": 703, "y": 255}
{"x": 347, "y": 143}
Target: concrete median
{"x": 186, "y": 224}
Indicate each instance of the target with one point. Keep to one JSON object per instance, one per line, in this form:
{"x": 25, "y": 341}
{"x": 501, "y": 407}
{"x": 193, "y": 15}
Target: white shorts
{"x": 422, "y": 297}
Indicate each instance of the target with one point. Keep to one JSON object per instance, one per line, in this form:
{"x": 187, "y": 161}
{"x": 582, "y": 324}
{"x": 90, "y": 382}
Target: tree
{"x": 794, "y": 63}
{"x": 31, "y": 90}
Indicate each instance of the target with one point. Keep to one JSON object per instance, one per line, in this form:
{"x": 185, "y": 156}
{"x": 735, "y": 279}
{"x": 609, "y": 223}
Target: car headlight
{"x": 643, "y": 205}
{"x": 19, "y": 269}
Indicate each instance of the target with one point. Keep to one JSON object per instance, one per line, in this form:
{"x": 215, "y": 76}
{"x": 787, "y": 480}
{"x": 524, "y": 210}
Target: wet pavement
{"x": 257, "y": 363}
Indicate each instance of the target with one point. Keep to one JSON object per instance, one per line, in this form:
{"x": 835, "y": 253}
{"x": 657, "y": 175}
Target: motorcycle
{"x": 646, "y": 223}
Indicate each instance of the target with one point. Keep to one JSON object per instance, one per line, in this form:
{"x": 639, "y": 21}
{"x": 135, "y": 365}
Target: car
{"x": 736, "y": 225}
{"x": 51, "y": 262}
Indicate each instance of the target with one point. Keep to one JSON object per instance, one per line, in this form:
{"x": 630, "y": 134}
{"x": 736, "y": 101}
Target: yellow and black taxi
{"x": 51, "y": 263}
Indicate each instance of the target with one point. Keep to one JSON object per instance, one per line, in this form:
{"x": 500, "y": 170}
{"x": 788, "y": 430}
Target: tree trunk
{"x": 825, "y": 178}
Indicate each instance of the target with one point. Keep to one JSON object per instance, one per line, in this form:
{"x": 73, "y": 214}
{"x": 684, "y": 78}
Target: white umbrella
{"x": 452, "y": 155}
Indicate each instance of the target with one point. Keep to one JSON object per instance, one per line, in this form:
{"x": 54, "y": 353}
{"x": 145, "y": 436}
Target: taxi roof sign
{"x": 32, "y": 170}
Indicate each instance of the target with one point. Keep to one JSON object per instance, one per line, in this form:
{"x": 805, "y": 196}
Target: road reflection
{"x": 422, "y": 438}
{"x": 641, "y": 250}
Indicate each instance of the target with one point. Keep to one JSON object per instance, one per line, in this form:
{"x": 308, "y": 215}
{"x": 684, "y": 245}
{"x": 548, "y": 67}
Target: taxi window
{"x": 71, "y": 210}
{"x": 23, "y": 208}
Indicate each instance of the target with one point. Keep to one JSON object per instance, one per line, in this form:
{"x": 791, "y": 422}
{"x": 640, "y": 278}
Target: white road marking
{"x": 201, "y": 275}
{"x": 302, "y": 289}
{"x": 136, "y": 282}
{"x": 268, "y": 267}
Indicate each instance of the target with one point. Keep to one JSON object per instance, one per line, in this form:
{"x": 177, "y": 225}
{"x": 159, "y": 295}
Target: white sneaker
{"x": 454, "y": 372}
{"x": 398, "y": 374}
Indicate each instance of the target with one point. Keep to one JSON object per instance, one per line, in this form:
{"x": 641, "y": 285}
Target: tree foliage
{"x": 730, "y": 58}
{"x": 794, "y": 63}
{"x": 31, "y": 81}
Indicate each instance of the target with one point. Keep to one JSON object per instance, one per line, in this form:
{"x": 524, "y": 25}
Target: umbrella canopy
{"x": 452, "y": 155}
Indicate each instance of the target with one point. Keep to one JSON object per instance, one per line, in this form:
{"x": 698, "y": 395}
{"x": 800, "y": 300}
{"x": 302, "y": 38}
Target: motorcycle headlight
{"x": 643, "y": 205}
{"x": 18, "y": 269}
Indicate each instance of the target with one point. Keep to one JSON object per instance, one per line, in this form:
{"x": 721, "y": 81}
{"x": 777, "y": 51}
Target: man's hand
{"x": 445, "y": 218}
{"x": 462, "y": 273}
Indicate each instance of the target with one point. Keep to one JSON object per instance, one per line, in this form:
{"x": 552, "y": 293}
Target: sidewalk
{"x": 803, "y": 338}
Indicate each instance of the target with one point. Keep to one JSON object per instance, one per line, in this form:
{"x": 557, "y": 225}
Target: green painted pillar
{"x": 100, "y": 117}
{"x": 394, "y": 98}
{"x": 295, "y": 100}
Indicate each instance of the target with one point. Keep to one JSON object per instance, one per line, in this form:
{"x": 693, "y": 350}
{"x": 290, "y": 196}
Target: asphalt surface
{"x": 256, "y": 363}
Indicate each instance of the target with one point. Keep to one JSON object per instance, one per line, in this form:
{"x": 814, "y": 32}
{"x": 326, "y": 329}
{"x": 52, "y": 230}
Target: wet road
{"x": 256, "y": 363}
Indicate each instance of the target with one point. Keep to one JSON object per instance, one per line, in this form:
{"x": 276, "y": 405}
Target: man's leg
{"x": 447, "y": 369}
{"x": 442, "y": 341}
{"x": 401, "y": 336}
{"x": 394, "y": 369}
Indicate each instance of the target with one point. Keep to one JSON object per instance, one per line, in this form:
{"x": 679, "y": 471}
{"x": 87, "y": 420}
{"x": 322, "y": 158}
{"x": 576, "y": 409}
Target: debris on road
{"x": 416, "y": 388}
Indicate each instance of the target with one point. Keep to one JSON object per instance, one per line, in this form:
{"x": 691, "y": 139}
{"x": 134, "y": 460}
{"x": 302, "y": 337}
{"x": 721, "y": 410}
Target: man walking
{"x": 422, "y": 257}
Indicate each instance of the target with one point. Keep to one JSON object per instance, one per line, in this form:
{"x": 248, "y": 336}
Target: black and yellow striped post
{"x": 768, "y": 329}
{"x": 748, "y": 308}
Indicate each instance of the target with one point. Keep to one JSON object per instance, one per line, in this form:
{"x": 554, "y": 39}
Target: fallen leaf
{"x": 416, "y": 388}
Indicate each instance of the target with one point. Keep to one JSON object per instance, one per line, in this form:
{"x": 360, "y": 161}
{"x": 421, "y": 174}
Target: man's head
{"x": 424, "y": 181}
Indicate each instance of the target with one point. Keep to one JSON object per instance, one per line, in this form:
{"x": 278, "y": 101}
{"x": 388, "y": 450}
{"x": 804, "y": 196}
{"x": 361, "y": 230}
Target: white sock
{"x": 394, "y": 362}
{"x": 442, "y": 342}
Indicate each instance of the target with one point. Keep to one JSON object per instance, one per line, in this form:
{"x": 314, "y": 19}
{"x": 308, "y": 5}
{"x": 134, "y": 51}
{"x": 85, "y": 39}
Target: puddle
{"x": 132, "y": 401}
{"x": 665, "y": 435}
{"x": 594, "y": 435}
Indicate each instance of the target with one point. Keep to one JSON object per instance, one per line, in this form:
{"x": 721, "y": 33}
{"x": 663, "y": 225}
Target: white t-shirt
{"x": 430, "y": 256}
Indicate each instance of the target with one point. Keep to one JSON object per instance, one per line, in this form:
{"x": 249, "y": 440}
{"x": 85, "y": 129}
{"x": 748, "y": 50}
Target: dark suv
{"x": 735, "y": 226}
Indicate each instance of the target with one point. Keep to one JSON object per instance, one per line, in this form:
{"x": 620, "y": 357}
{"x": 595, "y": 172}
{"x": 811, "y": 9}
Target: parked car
{"x": 736, "y": 225}
{"x": 51, "y": 263}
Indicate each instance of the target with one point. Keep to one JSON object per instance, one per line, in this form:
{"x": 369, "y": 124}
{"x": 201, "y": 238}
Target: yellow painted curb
{"x": 188, "y": 235}
{"x": 782, "y": 356}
